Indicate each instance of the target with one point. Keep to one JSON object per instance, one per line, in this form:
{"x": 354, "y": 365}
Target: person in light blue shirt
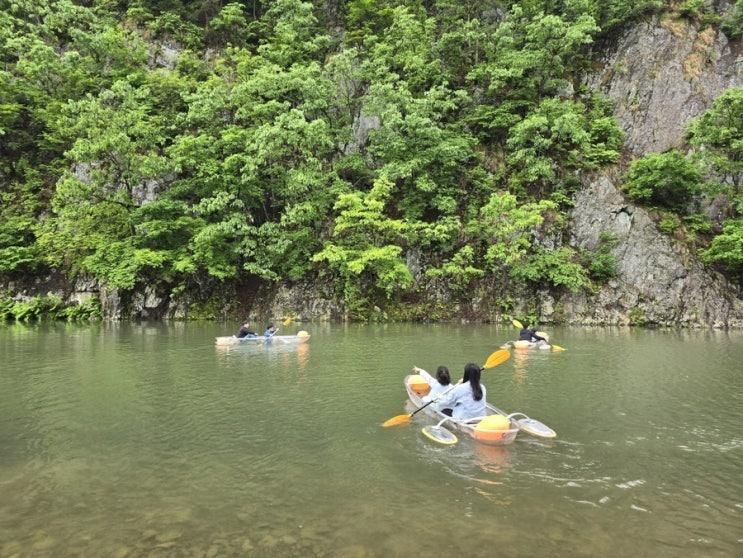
{"x": 439, "y": 385}
{"x": 467, "y": 399}
{"x": 270, "y": 331}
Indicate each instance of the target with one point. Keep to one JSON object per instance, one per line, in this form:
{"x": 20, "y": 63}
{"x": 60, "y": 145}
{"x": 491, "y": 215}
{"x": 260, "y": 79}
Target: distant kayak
{"x": 300, "y": 337}
{"x": 527, "y": 345}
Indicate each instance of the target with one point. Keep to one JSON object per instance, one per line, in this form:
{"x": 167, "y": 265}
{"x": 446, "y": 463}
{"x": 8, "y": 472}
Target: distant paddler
{"x": 528, "y": 334}
{"x": 530, "y": 339}
{"x": 245, "y": 331}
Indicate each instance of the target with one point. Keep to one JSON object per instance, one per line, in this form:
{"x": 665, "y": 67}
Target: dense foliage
{"x": 665, "y": 179}
{"x": 175, "y": 144}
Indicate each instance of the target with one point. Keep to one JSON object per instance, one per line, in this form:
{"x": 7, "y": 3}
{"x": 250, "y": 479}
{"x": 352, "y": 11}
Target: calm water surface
{"x": 147, "y": 440}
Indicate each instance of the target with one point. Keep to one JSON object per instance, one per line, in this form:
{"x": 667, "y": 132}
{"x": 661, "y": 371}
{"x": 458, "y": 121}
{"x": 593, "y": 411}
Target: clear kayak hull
{"x": 232, "y": 340}
{"x": 543, "y": 345}
{"x": 468, "y": 427}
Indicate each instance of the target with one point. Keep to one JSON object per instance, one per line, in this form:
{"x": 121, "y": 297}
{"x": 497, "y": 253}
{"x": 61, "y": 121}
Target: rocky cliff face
{"x": 663, "y": 73}
{"x": 659, "y": 281}
{"x": 660, "y": 75}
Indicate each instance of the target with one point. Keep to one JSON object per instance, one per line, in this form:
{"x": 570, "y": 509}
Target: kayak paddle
{"x": 498, "y": 357}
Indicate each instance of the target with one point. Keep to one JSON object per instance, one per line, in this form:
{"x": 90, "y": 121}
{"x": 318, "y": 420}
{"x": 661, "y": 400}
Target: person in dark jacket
{"x": 530, "y": 335}
{"x": 245, "y": 331}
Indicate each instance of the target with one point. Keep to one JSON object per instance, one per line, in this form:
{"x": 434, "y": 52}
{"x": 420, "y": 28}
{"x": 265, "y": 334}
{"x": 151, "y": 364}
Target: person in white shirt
{"x": 439, "y": 385}
{"x": 467, "y": 399}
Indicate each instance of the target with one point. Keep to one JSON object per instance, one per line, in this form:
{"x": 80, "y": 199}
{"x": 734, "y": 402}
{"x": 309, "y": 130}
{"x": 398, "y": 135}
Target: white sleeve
{"x": 449, "y": 397}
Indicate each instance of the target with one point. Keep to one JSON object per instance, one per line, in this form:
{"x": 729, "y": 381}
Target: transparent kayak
{"x": 527, "y": 345}
{"x": 232, "y": 340}
{"x": 471, "y": 427}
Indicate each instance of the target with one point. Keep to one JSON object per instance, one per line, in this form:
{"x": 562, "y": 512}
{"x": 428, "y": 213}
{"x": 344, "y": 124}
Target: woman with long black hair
{"x": 467, "y": 399}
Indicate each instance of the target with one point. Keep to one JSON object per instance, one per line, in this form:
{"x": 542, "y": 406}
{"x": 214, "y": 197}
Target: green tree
{"x": 558, "y": 268}
{"x": 719, "y": 135}
{"x": 365, "y": 249}
{"x": 732, "y": 23}
{"x": 508, "y": 228}
{"x": 529, "y": 58}
{"x": 558, "y": 138}
{"x": 665, "y": 179}
{"x": 727, "y": 247}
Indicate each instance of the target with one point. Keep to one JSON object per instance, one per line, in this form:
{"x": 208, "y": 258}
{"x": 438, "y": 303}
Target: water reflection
{"x": 520, "y": 360}
{"x": 303, "y": 356}
{"x": 147, "y": 440}
{"x": 492, "y": 459}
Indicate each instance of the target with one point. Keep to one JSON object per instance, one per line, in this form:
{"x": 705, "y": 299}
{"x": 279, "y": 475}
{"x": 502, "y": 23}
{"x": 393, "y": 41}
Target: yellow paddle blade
{"x": 558, "y": 348}
{"x": 288, "y": 321}
{"x": 394, "y": 421}
{"x": 498, "y": 357}
{"x": 517, "y": 324}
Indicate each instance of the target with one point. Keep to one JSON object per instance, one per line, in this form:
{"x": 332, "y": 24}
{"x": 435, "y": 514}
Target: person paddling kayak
{"x": 467, "y": 399}
{"x": 245, "y": 331}
{"x": 270, "y": 331}
{"x": 530, "y": 335}
{"x": 439, "y": 385}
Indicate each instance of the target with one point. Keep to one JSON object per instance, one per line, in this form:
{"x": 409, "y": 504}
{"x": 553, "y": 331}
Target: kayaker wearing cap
{"x": 245, "y": 331}
{"x": 530, "y": 335}
{"x": 467, "y": 399}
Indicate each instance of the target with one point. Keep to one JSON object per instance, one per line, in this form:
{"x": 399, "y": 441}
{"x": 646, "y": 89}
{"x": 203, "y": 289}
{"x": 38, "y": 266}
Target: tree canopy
{"x": 167, "y": 143}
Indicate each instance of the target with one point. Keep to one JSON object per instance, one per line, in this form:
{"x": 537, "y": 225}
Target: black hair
{"x": 472, "y": 375}
{"x": 442, "y": 375}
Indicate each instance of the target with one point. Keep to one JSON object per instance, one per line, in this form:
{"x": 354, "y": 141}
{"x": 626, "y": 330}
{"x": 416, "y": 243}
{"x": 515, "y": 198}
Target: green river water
{"x": 129, "y": 440}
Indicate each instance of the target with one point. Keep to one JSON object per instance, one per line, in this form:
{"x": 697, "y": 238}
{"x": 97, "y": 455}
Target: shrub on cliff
{"x": 664, "y": 179}
{"x": 719, "y": 135}
{"x": 727, "y": 248}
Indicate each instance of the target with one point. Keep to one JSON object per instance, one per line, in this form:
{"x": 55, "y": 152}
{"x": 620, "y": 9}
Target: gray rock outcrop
{"x": 659, "y": 281}
{"x": 363, "y": 125}
{"x": 660, "y": 75}
{"x": 663, "y": 73}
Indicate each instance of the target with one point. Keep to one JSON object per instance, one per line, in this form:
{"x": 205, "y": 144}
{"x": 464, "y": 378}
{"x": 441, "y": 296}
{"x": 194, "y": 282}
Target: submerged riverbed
{"x": 147, "y": 440}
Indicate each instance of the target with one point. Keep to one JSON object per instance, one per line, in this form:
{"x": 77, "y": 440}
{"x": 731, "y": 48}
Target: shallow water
{"x": 147, "y": 440}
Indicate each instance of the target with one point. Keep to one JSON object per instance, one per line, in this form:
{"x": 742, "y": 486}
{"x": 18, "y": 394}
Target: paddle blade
{"x": 498, "y": 357}
{"x": 558, "y": 348}
{"x": 394, "y": 421}
{"x": 287, "y": 321}
{"x": 517, "y": 324}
